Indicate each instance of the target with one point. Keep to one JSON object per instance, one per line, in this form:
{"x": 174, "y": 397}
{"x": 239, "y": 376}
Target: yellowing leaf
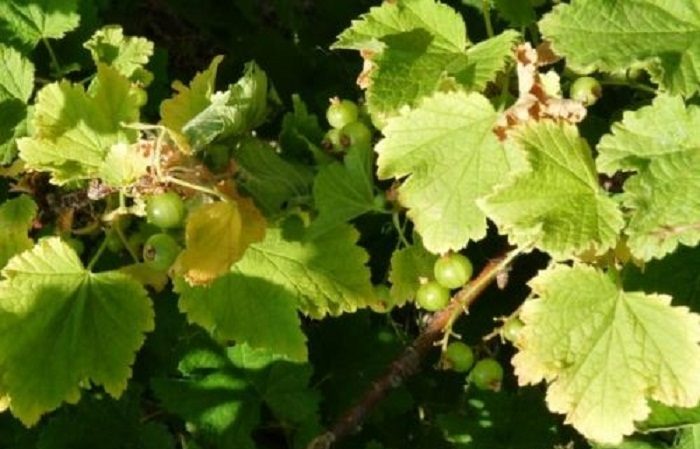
{"x": 216, "y": 235}
{"x": 606, "y": 352}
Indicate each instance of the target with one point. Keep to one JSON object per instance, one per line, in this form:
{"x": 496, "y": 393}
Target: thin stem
{"x": 98, "y": 254}
{"x": 399, "y": 229}
{"x": 633, "y": 85}
{"x": 471, "y": 291}
{"x": 118, "y": 229}
{"x": 189, "y": 185}
{"x": 408, "y": 362}
{"x": 486, "y": 11}
{"x": 52, "y": 55}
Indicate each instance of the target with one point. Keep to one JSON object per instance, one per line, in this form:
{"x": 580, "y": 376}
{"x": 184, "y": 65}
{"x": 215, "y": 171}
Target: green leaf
{"x": 30, "y": 21}
{"x": 327, "y": 275}
{"x": 190, "y": 100}
{"x": 16, "y": 75}
{"x": 661, "y": 143}
{"x": 343, "y": 192}
{"x": 123, "y": 165}
{"x": 411, "y": 42}
{"x": 556, "y": 204}
{"x": 128, "y": 55}
{"x": 301, "y": 133}
{"x": 485, "y": 60}
{"x": 446, "y": 150}
{"x": 392, "y": 18}
{"x": 62, "y": 326}
{"x": 105, "y": 423}
{"x": 408, "y": 265}
{"x": 604, "y": 351}
{"x": 675, "y": 275}
{"x": 237, "y": 111}
{"x": 248, "y": 310}
{"x": 16, "y": 217}
{"x": 268, "y": 178}
{"x": 689, "y": 438}
{"x": 517, "y": 13}
{"x": 75, "y": 129}
{"x": 223, "y": 390}
{"x": 13, "y": 125}
{"x": 663, "y": 417}
{"x": 605, "y": 35}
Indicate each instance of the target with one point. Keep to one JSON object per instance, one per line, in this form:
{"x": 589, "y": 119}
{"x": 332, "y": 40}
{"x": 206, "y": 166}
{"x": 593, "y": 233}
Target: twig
{"x": 408, "y": 363}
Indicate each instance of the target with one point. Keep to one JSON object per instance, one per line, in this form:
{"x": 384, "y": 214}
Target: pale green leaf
{"x": 343, "y": 192}
{"x": 485, "y": 60}
{"x": 223, "y": 389}
{"x": 556, "y": 204}
{"x": 62, "y": 326}
{"x": 408, "y": 266}
{"x": 326, "y": 275}
{"x": 128, "y": 55}
{"x": 247, "y": 310}
{"x": 268, "y": 178}
{"x": 33, "y": 20}
{"x": 661, "y": 143}
{"x": 391, "y": 18}
{"x": 446, "y": 150}
{"x": 123, "y": 165}
{"x": 605, "y": 352}
{"x": 190, "y": 100}
{"x": 74, "y": 129}
{"x": 614, "y": 35}
{"x": 237, "y": 111}
{"x": 16, "y": 216}
{"x": 16, "y": 75}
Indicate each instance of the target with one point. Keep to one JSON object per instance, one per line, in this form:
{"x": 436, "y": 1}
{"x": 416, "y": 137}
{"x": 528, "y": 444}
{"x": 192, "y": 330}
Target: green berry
{"x": 160, "y": 251}
{"x": 331, "y": 141}
{"x": 165, "y": 210}
{"x": 341, "y": 112}
{"x": 459, "y": 356}
{"x": 511, "y": 329}
{"x": 453, "y": 270}
{"x": 586, "y": 90}
{"x": 355, "y": 134}
{"x": 487, "y": 374}
{"x": 432, "y": 296}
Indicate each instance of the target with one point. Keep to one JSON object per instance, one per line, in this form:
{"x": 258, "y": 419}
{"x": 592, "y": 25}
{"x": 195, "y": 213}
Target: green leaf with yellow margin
{"x": 606, "y": 352}
{"x": 16, "y": 216}
{"x": 62, "y": 327}
{"x": 216, "y": 236}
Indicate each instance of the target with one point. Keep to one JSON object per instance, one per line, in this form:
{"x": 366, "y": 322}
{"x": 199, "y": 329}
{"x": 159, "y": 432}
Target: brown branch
{"x": 408, "y": 362}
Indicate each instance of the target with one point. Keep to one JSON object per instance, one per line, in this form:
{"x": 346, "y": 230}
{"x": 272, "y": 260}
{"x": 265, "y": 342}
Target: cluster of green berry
{"x": 450, "y": 271}
{"x": 349, "y": 126}
{"x": 486, "y": 374}
{"x": 156, "y": 239}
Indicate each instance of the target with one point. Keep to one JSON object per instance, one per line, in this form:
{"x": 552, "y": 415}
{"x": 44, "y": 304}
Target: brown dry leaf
{"x": 536, "y": 101}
